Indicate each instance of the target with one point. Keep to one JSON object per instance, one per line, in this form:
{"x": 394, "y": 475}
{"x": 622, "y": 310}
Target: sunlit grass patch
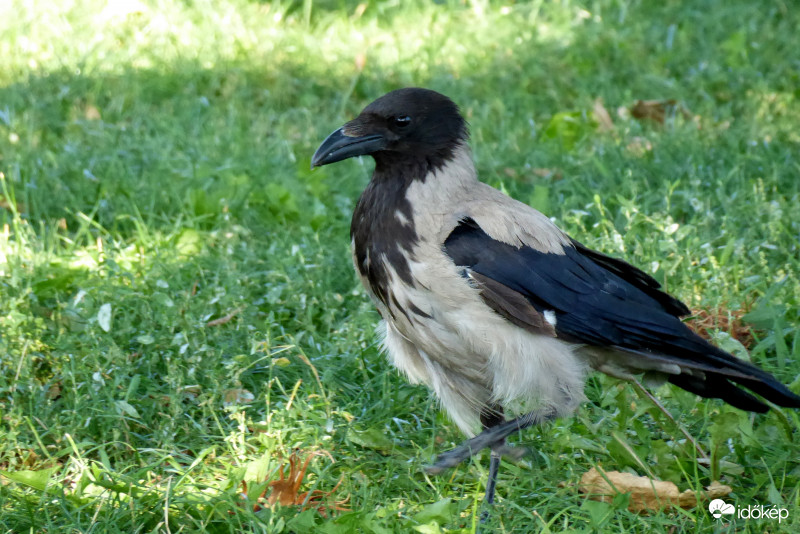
{"x": 178, "y": 313}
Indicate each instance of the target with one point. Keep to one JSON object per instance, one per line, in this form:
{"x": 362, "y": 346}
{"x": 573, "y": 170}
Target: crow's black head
{"x": 406, "y": 124}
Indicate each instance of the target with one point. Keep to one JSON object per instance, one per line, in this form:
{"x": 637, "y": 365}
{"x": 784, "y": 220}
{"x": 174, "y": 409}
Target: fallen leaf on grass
{"x": 658, "y": 110}
{"x": 705, "y": 322}
{"x": 602, "y": 116}
{"x": 91, "y": 113}
{"x": 231, "y": 397}
{"x": 21, "y": 459}
{"x": 54, "y": 391}
{"x": 639, "y": 146}
{"x": 286, "y": 490}
{"x": 226, "y": 318}
{"x": 647, "y": 494}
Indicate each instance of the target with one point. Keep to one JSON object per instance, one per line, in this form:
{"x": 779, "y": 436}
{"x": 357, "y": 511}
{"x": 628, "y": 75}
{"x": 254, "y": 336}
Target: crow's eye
{"x": 401, "y": 121}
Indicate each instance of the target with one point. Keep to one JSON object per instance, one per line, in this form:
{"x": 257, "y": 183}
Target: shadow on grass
{"x": 196, "y": 179}
{"x": 188, "y": 141}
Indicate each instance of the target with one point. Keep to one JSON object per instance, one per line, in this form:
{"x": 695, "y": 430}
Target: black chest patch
{"x": 383, "y": 237}
{"x": 383, "y": 230}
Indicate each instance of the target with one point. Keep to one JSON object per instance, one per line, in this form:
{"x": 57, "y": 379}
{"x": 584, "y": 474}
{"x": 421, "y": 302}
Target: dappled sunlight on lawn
{"x": 179, "y": 318}
{"x": 153, "y": 35}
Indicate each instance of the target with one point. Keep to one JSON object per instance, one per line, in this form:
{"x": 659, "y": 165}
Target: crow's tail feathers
{"x": 723, "y": 384}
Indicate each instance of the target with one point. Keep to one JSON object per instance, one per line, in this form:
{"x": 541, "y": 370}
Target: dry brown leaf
{"x": 54, "y": 391}
{"x": 227, "y": 318}
{"x": 601, "y": 115}
{"x": 647, "y": 494}
{"x": 657, "y": 110}
{"x": 639, "y": 146}
{"x": 703, "y": 322}
{"x": 286, "y": 490}
{"x": 91, "y": 113}
{"x": 237, "y": 396}
{"x": 25, "y": 460}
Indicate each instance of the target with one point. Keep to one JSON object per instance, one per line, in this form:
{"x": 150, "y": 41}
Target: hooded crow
{"x": 491, "y": 305}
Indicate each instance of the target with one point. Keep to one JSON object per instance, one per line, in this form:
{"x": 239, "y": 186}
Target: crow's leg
{"x": 490, "y": 419}
{"x": 491, "y": 484}
{"x": 491, "y": 437}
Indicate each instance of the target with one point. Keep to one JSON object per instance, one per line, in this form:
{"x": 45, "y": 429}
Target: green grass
{"x": 155, "y": 166}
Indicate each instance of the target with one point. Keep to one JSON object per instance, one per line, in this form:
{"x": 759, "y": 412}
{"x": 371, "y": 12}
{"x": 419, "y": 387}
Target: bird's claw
{"x": 453, "y": 457}
{"x": 493, "y": 437}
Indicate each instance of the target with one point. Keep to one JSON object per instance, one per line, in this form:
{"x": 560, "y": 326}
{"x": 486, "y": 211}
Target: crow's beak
{"x": 339, "y": 146}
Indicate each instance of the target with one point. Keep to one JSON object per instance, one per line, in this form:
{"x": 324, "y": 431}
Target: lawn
{"x": 179, "y": 319}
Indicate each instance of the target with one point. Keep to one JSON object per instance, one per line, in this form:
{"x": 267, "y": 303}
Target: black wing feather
{"x": 605, "y": 302}
{"x": 636, "y": 277}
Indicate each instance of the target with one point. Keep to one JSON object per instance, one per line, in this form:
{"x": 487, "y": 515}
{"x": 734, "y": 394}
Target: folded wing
{"x": 586, "y": 297}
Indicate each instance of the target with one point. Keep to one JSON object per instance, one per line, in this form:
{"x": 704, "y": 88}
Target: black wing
{"x": 604, "y": 302}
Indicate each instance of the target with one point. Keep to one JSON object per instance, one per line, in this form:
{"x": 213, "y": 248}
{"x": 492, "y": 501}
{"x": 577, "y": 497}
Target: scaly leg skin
{"x": 499, "y": 450}
{"x": 493, "y": 436}
{"x": 491, "y": 418}
{"x": 491, "y": 484}
{"x": 496, "y": 430}
{"x": 494, "y": 467}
